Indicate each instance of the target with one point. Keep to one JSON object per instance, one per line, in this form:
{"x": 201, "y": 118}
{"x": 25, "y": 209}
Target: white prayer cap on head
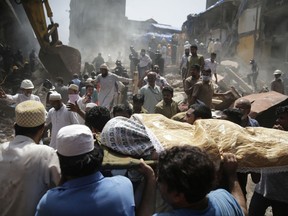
{"x": 277, "y": 72}
{"x": 55, "y": 96}
{"x": 30, "y": 113}
{"x": 89, "y": 79}
{"x": 73, "y": 87}
{"x": 90, "y": 105}
{"x": 74, "y": 140}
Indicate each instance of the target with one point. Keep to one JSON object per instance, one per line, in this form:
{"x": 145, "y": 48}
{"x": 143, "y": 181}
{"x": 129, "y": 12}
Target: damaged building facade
{"x": 247, "y": 29}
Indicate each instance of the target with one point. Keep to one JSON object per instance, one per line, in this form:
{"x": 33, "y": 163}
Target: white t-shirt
{"x": 18, "y": 98}
{"x": 209, "y": 64}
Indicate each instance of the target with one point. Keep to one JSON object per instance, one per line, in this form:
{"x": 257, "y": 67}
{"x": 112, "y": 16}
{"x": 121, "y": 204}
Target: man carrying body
{"x": 167, "y": 107}
{"x": 28, "y": 169}
{"x": 108, "y": 86}
{"x": 151, "y": 92}
{"x": 59, "y": 116}
{"x": 273, "y": 187}
{"x": 26, "y": 88}
{"x": 84, "y": 190}
{"x": 186, "y": 176}
{"x": 244, "y": 106}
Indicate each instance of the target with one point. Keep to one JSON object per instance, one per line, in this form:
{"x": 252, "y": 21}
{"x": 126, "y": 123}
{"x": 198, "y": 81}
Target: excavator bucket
{"x": 61, "y": 61}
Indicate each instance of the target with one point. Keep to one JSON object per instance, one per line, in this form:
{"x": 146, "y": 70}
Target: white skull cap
{"x": 73, "y": 140}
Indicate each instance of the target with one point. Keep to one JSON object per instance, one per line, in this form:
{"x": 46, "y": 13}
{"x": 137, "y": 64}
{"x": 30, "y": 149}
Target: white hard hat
{"x": 104, "y": 66}
{"x": 277, "y": 72}
{"x": 27, "y": 84}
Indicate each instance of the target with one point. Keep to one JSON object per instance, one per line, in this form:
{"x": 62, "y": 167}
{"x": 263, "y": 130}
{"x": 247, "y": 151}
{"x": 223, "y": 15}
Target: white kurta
{"x": 60, "y": 118}
{"x": 108, "y": 87}
{"x": 28, "y": 170}
{"x": 18, "y": 98}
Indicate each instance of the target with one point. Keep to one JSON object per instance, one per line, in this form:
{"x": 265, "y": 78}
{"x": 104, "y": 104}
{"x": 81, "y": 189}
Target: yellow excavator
{"x": 58, "y": 59}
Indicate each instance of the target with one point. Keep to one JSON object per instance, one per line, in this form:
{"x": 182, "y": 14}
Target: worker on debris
{"x": 253, "y": 74}
{"x": 26, "y": 88}
{"x": 277, "y": 84}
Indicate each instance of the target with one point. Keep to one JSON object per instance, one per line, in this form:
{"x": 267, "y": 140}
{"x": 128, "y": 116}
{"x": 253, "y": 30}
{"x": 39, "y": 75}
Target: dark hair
{"x": 81, "y": 165}
{"x": 138, "y": 98}
{"x": 201, "y": 111}
{"x": 214, "y": 54}
{"x": 168, "y": 89}
{"x": 188, "y": 170}
{"x": 122, "y": 108}
{"x": 194, "y": 46}
{"x": 27, "y": 131}
{"x": 233, "y": 115}
{"x": 97, "y": 117}
{"x": 281, "y": 110}
{"x": 60, "y": 79}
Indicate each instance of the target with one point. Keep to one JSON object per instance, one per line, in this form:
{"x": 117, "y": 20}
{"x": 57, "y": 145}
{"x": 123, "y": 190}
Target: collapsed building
{"x": 247, "y": 29}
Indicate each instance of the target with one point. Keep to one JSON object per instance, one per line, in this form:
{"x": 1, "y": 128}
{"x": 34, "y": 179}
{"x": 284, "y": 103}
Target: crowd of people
{"x": 64, "y": 176}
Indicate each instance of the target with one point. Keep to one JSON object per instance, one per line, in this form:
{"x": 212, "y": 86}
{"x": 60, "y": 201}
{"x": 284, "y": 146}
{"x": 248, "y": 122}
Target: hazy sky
{"x": 171, "y": 12}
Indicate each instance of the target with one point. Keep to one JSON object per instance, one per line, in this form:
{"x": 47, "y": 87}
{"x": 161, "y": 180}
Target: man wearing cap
{"x": 74, "y": 97}
{"x": 277, "y": 84}
{"x": 108, "y": 86}
{"x": 84, "y": 190}
{"x": 26, "y": 88}
{"x": 28, "y": 169}
{"x": 59, "y": 116}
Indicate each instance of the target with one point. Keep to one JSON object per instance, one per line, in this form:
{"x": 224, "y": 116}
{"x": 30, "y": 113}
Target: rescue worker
{"x": 26, "y": 88}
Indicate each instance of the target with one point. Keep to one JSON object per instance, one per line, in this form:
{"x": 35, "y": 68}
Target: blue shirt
{"x": 89, "y": 195}
{"x": 252, "y": 122}
{"x": 220, "y": 203}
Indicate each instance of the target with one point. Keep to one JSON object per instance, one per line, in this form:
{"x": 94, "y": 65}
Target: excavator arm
{"x": 58, "y": 59}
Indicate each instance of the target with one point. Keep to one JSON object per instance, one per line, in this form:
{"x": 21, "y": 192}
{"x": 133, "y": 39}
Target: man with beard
{"x": 26, "y": 88}
{"x": 59, "y": 116}
{"x": 108, "y": 86}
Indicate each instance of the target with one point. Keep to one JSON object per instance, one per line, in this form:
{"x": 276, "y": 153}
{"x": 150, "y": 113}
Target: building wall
{"x": 245, "y": 48}
{"x": 97, "y": 26}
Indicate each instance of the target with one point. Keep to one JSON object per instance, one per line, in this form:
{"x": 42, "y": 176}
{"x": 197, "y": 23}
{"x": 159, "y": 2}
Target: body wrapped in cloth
{"x": 256, "y": 148}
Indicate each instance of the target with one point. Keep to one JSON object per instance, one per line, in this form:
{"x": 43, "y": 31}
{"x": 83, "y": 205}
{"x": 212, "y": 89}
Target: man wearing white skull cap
{"x": 28, "y": 169}
{"x": 108, "y": 82}
{"x": 85, "y": 191}
{"x": 59, "y": 116}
